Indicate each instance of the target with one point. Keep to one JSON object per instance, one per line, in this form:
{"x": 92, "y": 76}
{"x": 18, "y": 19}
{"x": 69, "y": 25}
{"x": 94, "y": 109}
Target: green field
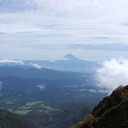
{"x": 34, "y": 103}
{"x": 49, "y": 108}
{"x": 22, "y": 111}
{"x": 8, "y": 102}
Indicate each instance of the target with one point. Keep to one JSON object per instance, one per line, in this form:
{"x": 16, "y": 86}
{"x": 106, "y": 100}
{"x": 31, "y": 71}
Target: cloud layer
{"x": 36, "y": 66}
{"x": 12, "y": 61}
{"x": 31, "y": 25}
{"x": 113, "y": 73}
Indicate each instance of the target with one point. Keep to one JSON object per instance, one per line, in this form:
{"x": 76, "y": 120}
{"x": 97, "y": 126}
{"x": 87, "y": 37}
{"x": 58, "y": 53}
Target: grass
{"x": 22, "y": 111}
{"x": 1, "y": 95}
{"x": 49, "y": 108}
{"x": 10, "y": 110}
{"x": 8, "y": 102}
{"x": 33, "y": 103}
{"x": 40, "y": 110}
{"x": 28, "y": 107}
{"x": 24, "y": 107}
{"x": 19, "y": 111}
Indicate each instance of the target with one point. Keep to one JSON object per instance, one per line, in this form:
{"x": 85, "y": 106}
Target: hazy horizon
{"x": 93, "y": 30}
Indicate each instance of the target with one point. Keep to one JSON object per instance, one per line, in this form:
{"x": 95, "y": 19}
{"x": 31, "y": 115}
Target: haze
{"x": 93, "y": 30}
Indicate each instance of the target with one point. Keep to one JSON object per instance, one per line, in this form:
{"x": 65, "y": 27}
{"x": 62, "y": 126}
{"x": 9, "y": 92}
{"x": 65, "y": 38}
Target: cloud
{"x": 112, "y": 73}
{"x": 36, "y": 15}
{"x": 12, "y": 61}
{"x": 41, "y": 87}
{"x": 104, "y": 47}
{"x": 29, "y": 25}
{"x": 92, "y": 90}
{"x": 36, "y": 66}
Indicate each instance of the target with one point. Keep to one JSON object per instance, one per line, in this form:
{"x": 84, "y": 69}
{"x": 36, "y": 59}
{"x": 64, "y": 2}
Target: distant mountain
{"x": 71, "y": 57}
{"x": 111, "y": 112}
{"x": 11, "y": 120}
{"x": 32, "y": 72}
{"x": 69, "y": 63}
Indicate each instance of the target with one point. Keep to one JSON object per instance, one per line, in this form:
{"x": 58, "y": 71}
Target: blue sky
{"x": 50, "y": 29}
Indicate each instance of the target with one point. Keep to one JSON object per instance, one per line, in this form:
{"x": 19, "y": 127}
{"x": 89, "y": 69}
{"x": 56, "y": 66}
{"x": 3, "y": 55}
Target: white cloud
{"x": 12, "y": 61}
{"x": 93, "y": 15}
{"x": 46, "y": 23}
{"x": 92, "y": 90}
{"x": 113, "y": 73}
{"x": 36, "y": 66}
{"x": 41, "y": 87}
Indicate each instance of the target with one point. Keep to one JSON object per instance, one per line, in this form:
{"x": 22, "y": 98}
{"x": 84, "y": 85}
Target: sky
{"x": 49, "y": 29}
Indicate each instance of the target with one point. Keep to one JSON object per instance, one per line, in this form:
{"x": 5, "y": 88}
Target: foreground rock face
{"x": 111, "y": 112}
{"x": 11, "y": 120}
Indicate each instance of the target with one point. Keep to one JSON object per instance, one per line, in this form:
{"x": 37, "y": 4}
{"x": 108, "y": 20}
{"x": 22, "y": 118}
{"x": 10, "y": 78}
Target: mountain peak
{"x": 71, "y": 57}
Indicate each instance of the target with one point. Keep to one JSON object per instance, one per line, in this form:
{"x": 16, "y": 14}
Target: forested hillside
{"x": 111, "y": 112}
{"x": 11, "y": 120}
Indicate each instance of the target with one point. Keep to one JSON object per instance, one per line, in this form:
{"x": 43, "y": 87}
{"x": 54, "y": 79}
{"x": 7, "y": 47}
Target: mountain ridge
{"x": 11, "y": 120}
{"x": 111, "y": 112}
{"x": 69, "y": 63}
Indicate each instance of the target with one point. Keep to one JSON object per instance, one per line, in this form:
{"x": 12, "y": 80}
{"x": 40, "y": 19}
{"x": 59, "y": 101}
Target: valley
{"x": 49, "y": 97}
{"x": 56, "y": 97}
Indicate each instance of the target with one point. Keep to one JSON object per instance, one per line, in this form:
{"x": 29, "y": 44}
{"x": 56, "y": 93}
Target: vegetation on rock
{"x": 111, "y": 112}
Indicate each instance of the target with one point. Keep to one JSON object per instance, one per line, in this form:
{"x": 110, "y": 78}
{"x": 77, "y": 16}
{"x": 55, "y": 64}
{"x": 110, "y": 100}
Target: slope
{"x": 58, "y": 119}
{"x": 10, "y": 120}
{"x": 111, "y": 112}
